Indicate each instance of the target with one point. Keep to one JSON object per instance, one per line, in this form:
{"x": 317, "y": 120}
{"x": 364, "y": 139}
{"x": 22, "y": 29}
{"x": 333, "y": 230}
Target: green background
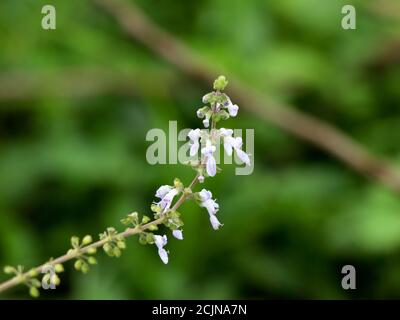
{"x": 76, "y": 104}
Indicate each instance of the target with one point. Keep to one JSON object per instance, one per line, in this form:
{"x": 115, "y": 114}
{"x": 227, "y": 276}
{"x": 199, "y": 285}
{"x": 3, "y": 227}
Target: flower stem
{"x": 18, "y": 279}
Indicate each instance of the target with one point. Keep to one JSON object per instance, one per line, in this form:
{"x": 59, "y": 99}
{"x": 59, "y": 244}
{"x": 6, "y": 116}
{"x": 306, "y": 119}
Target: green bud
{"x": 155, "y": 208}
{"x": 208, "y": 98}
{"x": 86, "y": 240}
{"x": 32, "y": 273}
{"x": 78, "y": 264}
{"x": 153, "y": 227}
{"x": 55, "y": 279}
{"x": 220, "y": 83}
{"x": 116, "y": 252}
{"x": 224, "y": 115}
{"x": 145, "y": 219}
{"x": 121, "y": 244}
{"x": 107, "y": 247}
{"x": 149, "y": 237}
{"x": 85, "y": 268}
{"x": 75, "y": 241}
{"x": 92, "y": 260}
{"x": 91, "y": 250}
{"x": 142, "y": 238}
{"x": 59, "y": 268}
{"x": 178, "y": 183}
{"x": 36, "y": 283}
{"x": 34, "y": 292}
{"x": 9, "y": 269}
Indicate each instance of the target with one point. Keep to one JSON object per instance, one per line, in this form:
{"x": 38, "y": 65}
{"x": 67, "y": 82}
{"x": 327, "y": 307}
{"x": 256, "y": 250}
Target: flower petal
{"x": 211, "y": 166}
{"x": 243, "y": 156}
{"x": 214, "y": 222}
{"x": 163, "y": 255}
{"x": 178, "y": 234}
{"x": 162, "y": 191}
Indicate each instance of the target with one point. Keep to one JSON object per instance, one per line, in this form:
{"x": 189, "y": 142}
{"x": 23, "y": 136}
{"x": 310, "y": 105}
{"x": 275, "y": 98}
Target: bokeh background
{"x": 76, "y": 104}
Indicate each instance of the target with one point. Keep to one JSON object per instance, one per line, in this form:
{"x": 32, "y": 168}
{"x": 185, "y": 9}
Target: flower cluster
{"x": 219, "y": 107}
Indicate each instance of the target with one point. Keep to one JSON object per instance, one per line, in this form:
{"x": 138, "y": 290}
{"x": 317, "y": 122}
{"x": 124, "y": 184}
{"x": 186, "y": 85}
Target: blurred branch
{"x": 72, "y": 82}
{"x": 323, "y": 135}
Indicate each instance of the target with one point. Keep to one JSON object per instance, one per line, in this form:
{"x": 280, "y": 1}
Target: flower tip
{"x": 178, "y": 234}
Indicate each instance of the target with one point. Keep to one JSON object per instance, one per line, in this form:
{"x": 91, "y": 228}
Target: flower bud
{"x": 32, "y": 273}
{"x": 92, "y": 260}
{"x": 75, "y": 241}
{"x": 91, "y": 250}
{"x": 121, "y": 244}
{"x": 59, "y": 268}
{"x": 220, "y": 83}
{"x": 116, "y": 252}
{"x": 9, "y": 269}
{"x": 34, "y": 292}
{"x": 78, "y": 264}
{"x": 153, "y": 227}
{"x": 145, "y": 219}
{"x": 85, "y": 268}
{"x": 86, "y": 240}
{"x": 55, "y": 279}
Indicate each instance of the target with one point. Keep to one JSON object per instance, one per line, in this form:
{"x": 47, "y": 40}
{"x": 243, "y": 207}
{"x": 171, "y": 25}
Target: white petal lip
{"x": 160, "y": 241}
{"x": 233, "y": 110}
{"x": 211, "y": 166}
{"x": 194, "y": 148}
{"x": 194, "y": 135}
{"x": 163, "y": 255}
{"x": 214, "y": 222}
{"x": 162, "y": 191}
{"x": 178, "y": 234}
{"x": 243, "y": 156}
{"x": 205, "y": 195}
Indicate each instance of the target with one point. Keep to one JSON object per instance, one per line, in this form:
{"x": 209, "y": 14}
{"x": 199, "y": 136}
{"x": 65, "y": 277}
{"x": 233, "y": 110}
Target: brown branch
{"x": 323, "y": 135}
{"x": 78, "y": 83}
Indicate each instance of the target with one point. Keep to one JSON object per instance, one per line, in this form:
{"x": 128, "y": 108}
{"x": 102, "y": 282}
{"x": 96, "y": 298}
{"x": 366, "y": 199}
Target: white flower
{"x": 162, "y": 191}
{"x": 178, "y": 234}
{"x": 214, "y": 222}
{"x": 240, "y": 153}
{"x": 194, "y": 136}
{"x": 232, "y": 108}
{"x": 160, "y": 242}
{"x": 201, "y": 179}
{"x": 212, "y": 207}
{"x": 211, "y": 165}
{"x": 167, "y": 199}
{"x": 231, "y": 143}
{"x": 206, "y": 122}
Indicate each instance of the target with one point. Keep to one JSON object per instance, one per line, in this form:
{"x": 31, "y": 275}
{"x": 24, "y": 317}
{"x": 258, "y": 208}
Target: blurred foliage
{"x": 75, "y": 165}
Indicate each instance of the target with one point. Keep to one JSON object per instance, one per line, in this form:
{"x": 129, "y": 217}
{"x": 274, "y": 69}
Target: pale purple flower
{"x": 194, "y": 136}
{"x": 211, "y": 164}
{"x": 232, "y": 108}
{"x": 167, "y": 198}
{"x": 231, "y": 143}
{"x": 211, "y": 205}
{"x": 178, "y": 234}
{"x": 162, "y": 191}
{"x": 201, "y": 178}
{"x": 160, "y": 242}
{"x": 214, "y": 222}
{"x": 240, "y": 153}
